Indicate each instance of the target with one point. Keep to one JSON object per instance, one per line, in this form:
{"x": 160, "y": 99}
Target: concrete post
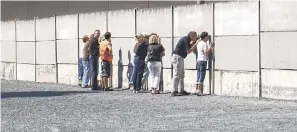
{"x": 259, "y": 50}
{"x": 213, "y": 52}
{"x": 35, "y": 48}
{"x": 56, "y": 52}
{"x": 16, "y": 48}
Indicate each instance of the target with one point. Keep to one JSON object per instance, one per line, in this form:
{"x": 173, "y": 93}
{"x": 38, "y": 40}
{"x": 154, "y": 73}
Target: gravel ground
{"x": 44, "y": 107}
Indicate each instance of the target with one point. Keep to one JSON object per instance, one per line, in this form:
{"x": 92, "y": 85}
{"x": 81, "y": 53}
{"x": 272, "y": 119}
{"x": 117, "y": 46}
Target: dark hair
{"x": 203, "y": 35}
{"x": 192, "y": 33}
{"x": 153, "y": 34}
{"x": 97, "y": 30}
{"x": 107, "y": 35}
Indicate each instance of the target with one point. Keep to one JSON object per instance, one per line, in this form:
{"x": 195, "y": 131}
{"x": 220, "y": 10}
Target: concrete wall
{"x": 235, "y": 27}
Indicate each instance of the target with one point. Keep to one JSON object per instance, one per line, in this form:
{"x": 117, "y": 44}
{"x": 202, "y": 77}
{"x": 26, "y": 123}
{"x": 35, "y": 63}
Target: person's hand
{"x": 211, "y": 44}
{"x": 192, "y": 42}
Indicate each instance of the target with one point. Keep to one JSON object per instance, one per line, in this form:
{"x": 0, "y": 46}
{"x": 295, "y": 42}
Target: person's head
{"x": 96, "y": 34}
{"x": 204, "y": 36}
{"x": 146, "y": 38}
{"x": 193, "y": 35}
{"x": 107, "y": 36}
{"x": 139, "y": 38}
{"x": 153, "y": 39}
{"x": 85, "y": 38}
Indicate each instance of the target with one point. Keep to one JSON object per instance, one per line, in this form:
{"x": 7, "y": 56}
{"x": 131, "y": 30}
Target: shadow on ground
{"x": 41, "y": 93}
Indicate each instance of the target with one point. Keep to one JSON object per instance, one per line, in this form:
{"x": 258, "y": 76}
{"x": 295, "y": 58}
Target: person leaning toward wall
{"x": 139, "y": 38}
{"x": 85, "y": 62}
{"x": 145, "y": 71}
{"x": 94, "y": 57}
{"x": 155, "y": 52}
{"x": 203, "y": 49}
{"x": 106, "y": 57}
{"x": 139, "y": 63}
{"x": 179, "y": 54}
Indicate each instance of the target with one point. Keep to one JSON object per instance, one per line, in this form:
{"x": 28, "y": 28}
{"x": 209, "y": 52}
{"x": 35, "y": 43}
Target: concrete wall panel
{"x": 123, "y": 50}
{"x": 279, "y": 53}
{"x": 190, "y": 81}
{"x": 116, "y": 20}
{"x": 45, "y": 29}
{"x": 25, "y": 30}
{"x": 279, "y": 84}
{"x": 45, "y": 52}
{"x": 43, "y": 9}
{"x": 193, "y": 18}
{"x": 240, "y": 49}
{"x": 167, "y": 80}
{"x": 155, "y": 21}
{"x": 67, "y": 74}
{"x": 67, "y": 27}
{"x": 25, "y": 52}
{"x": 67, "y": 51}
{"x": 26, "y": 72}
{"x": 240, "y": 18}
{"x": 243, "y": 84}
{"x": 7, "y": 71}
{"x": 8, "y": 31}
{"x": 89, "y": 22}
{"x": 45, "y": 73}
{"x": 278, "y": 15}
{"x": 167, "y": 44}
{"x": 8, "y": 51}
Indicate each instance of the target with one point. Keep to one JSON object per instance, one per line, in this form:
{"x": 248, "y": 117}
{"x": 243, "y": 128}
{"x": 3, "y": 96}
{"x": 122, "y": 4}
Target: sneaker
{"x": 79, "y": 82}
{"x": 185, "y": 93}
{"x": 199, "y": 93}
{"x": 175, "y": 93}
{"x": 134, "y": 91}
{"x": 96, "y": 89}
{"x": 86, "y": 86}
{"x": 107, "y": 89}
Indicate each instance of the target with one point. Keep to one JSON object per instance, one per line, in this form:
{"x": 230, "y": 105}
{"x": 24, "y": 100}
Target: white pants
{"x": 154, "y": 68}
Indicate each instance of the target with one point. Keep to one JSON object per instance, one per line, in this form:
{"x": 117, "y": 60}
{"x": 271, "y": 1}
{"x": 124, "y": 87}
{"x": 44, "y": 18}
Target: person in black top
{"x": 94, "y": 56}
{"x": 182, "y": 49}
{"x": 155, "y": 52}
{"x": 139, "y": 64}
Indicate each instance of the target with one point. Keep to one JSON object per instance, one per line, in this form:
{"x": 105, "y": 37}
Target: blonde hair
{"x": 85, "y": 38}
{"x": 153, "y": 39}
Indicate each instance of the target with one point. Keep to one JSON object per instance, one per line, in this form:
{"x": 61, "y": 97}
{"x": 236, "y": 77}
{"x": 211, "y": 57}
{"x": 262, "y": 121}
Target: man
{"x": 94, "y": 56}
{"x": 106, "y": 57}
{"x": 179, "y": 54}
{"x": 203, "y": 49}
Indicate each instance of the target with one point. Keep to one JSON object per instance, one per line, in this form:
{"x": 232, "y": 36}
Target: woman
{"x": 106, "y": 57}
{"x": 139, "y": 38}
{"x": 155, "y": 52}
{"x": 85, "y": 62}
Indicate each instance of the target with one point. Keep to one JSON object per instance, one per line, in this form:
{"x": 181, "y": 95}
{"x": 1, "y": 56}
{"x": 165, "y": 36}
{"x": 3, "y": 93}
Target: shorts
{"x": 105, "y": 68}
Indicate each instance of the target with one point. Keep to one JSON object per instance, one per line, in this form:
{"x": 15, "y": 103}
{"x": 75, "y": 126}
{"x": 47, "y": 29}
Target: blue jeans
{"x": 86, "y": 72}
{"x": 138, "y": 74}
{"x": 133, "y": 75}
{"x": 80, "y": 69}
{"x": 201, "y": 71}
{"x": 94, "y": 70}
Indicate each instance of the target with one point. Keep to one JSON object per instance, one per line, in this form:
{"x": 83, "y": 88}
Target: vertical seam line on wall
{"x": 213, "y": 52}
{"x": 172, "y": 37}
{"x": 16, "y": 49}
{"x": 56, "y": 52}
{"x": 78, "y": 40}
{"x": 35, "y": 48}
{"x": 259, "y": 50}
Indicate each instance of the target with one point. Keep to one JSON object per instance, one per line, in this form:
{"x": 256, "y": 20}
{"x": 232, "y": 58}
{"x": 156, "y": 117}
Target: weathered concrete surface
{"x": 45, "y": 52}
{"x": 88, "y": 22}
{"x": 7, "y": 31}
{"x": 67, "y": 27}
{"x": 68, "y": 74}
{"x": 45, "y": 29}
{"x": 121, "y": 23}
{"x": 236, "y": 18}
{"x": 279, "y": 53}
{"x": 25, "y": 72}
{"x": 7, "y": 71}
{"x": 279, "y": 84}
{"x": 45, "y": 73}
{"x": 25, "y": 52}
{"x": 8, "y": 51}
{"x": 240, "y": 49}
{"x": 232, "y": 83}
{"x": 123, "y": 50}
{"x": 193, "y": 17}
{"x": 36, "y": 107}
{"x": 25, "y": 30}
{"x": 278, "y": 15}
{"x": 160, "y": 24}
{"x": 167, "y": 44}
{"x": 67, "y": 51}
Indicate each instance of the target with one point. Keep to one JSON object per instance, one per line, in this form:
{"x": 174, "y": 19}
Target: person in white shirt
{"x": 203, "y": 49}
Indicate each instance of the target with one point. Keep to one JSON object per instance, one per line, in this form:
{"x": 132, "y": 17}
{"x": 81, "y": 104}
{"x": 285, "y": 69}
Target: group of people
{"x": 147, "y": 60}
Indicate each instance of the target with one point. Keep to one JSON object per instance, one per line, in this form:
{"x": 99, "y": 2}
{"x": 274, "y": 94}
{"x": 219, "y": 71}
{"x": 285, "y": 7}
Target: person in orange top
{"x": 106, "y": 57}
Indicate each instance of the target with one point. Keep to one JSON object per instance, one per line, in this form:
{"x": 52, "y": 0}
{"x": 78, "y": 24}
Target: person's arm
{"x": 193, "y": 47}
{"x": 163, "y": 51}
